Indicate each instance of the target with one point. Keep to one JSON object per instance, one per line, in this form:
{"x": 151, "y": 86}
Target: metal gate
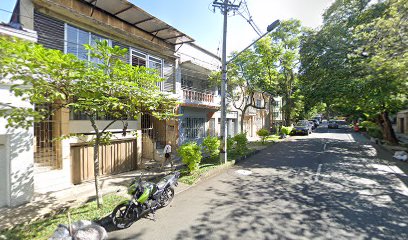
{"x": 153, "y": 135}
{"x": 45, "y": 145}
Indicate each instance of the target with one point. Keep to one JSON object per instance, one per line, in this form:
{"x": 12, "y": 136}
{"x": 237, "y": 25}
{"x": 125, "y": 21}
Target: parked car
{"x": 342, "y": 124}
{"x": 332, "y": 124}
{"x": 302, "y": 127}
{"x": 315, "y": 123}
{"x": 318, "y": 118}
{"x": 312, "y": 124}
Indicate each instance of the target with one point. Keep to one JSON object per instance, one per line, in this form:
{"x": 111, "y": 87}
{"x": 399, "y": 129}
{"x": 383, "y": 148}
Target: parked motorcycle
{"x": 146, "y": 198}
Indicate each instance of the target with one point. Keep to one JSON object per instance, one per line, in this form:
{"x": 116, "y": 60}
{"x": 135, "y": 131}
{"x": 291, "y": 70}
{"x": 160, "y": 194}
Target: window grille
{"x": 193, "y": 128}
{"x": 138, "y": 59}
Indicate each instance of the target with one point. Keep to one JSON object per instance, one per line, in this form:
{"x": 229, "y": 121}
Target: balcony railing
{"x": 198, "y": 97}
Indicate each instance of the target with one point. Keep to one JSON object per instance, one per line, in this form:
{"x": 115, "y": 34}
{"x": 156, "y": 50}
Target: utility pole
{"x": 225, "y": 7}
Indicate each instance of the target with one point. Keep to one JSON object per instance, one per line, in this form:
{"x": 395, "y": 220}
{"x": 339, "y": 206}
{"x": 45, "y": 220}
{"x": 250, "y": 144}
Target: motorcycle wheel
{"x": 119, "y": 217}
{"x": 167, "y": 197}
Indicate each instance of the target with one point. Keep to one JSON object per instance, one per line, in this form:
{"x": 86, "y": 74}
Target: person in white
{"x": 167, "y": 155}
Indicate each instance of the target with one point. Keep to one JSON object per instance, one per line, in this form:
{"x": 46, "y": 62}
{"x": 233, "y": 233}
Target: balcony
{"x": 200, "y": 97}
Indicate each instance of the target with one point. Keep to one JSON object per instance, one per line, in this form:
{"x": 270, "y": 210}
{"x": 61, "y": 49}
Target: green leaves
{"x": 106, "y": 86}
{"x": 356, "y": 63}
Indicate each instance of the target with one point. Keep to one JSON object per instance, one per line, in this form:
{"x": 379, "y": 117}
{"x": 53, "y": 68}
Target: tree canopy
{"x": 356, "y": 63}
{"x": 106, "y": 86}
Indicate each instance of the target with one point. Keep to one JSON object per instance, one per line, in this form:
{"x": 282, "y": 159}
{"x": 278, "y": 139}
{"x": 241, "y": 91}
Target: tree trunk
{"x": 242, "y": 118}
{"x": 287, "y": 112}
{"x": 388, "y": 131}
{"x": 99, "y": 200}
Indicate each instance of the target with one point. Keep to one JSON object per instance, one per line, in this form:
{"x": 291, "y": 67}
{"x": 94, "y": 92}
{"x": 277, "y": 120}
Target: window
{"x": 156, "y": 64}
{"x": 193, "y": 128}
{"x": 144, "y": 60}
{"x": 258, "y": 103}
{"x": 78, "y": 115}
{"x": 75, "y": 40}
{"x": 138, "y": 59}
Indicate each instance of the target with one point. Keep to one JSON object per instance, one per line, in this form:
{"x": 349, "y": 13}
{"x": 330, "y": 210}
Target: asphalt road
{"x": 332, "y": 184}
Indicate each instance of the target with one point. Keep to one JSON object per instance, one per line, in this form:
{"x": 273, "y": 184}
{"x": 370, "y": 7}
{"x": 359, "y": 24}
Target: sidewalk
{"x": 53, "y": 202}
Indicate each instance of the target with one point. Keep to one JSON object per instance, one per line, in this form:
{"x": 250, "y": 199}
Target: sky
{"x": 197, "y": 19}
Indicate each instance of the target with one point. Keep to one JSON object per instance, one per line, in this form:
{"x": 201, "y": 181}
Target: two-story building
{"x": 267, "y": 114}
{"x": 199, "y": 99}
{"x": 66, "y": 25}
{"x": 43, "y": 164}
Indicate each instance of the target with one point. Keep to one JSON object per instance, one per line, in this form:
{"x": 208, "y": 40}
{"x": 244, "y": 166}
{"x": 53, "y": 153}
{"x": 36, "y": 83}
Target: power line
{"x": 249, "y": 18}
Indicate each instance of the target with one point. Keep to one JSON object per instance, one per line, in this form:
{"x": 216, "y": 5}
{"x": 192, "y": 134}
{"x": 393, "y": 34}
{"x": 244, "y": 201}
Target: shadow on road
{"x": 353, "y": 196}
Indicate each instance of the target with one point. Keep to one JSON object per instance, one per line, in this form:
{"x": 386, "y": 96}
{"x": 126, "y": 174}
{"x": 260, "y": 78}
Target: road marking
{"x": 243, "y": 172}
{"x": 324, "y": 147}
{"x": 319, "y": 169}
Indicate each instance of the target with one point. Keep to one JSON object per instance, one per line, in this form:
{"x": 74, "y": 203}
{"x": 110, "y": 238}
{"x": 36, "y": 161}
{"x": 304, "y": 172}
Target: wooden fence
{"x": 118, "y": 157}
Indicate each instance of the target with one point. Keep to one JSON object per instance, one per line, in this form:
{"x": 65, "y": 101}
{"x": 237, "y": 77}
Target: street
{"x": 332, "y": 184}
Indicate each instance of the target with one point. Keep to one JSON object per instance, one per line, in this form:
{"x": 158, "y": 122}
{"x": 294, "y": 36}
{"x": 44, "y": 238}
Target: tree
{"x": 268, "y": 69}
{"x": 107, "y": 86}
{"x": 383, "y": 65}
{"x": 247, "y": 77}
{"x": 285, "y": 42}
{"x": 355, "y": 63}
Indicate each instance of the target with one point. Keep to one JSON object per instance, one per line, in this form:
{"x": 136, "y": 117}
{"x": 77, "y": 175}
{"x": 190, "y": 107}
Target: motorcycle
{"x": 146, "y": 198}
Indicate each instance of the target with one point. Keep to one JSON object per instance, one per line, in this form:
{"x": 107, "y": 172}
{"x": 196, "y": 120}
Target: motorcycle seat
{"x": 163, "y": 182}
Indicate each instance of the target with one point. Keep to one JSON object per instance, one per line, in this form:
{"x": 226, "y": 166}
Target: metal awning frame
{"x": 173, "y": 36}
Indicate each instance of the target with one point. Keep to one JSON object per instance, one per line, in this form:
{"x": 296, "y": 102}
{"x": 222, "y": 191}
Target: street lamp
{"x": 223, "y": 151}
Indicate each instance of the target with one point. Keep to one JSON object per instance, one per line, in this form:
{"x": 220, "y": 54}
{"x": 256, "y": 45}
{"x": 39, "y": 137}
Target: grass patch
{"x": 273, "y": 138}
{"x": 268, "y": 140}
{"x": 44, "y": 228}
{"x": 206, "y": 165}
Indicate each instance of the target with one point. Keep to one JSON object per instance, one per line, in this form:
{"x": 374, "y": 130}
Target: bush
{"x": 286, "y": 130}
{"x": 230, "y": 144}
{"x": 241, "y": 143}
{"x": 365, "y": 125}
{"x": 191, "y": 155}
{"x": 211, "y": 146}
{"x": 263, "y": 133}
{"x": 375, "y": 132}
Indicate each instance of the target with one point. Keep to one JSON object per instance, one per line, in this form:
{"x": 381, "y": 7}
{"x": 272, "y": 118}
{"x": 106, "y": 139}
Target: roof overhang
{"x": 129, "y": 13}
{"x": 193, "y": 66}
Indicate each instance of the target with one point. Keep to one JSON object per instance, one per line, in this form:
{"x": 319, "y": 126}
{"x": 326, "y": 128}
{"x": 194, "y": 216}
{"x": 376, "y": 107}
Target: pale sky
{"x": 196, "y": 18}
